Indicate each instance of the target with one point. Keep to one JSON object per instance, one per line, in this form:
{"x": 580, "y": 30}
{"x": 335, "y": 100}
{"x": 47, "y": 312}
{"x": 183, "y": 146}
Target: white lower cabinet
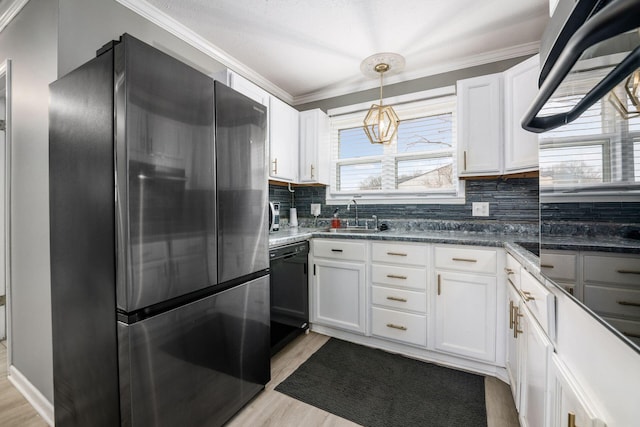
{"x": 534, "y": 408}
{"x": 398, "y": 292}
{"x": 570, "y": 406}
{"x": 465, "y": 315}
{"x": 338, "y": 284}
{"x": 513, "y": 347}
{"x": 338, "y": 295}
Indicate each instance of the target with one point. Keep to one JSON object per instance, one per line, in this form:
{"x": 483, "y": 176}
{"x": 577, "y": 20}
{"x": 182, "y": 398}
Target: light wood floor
{"x": 14, "y": 409}
{"x": 270, "y": 408}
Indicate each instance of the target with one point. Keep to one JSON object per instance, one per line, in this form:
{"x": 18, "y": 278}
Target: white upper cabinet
{"x": 491, "y": 140}
{"x": 520, "y": 88}
{"x": 480, "y": 125}
{"x": 314, "y": 147}
{"x": 282, "y": 126}
{"x": 283, "y": 140}
{"x": 248, "y": 88}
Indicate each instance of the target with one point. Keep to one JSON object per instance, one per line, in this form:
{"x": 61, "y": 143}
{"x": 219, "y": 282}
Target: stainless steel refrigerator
{"x": 159, "y": 243}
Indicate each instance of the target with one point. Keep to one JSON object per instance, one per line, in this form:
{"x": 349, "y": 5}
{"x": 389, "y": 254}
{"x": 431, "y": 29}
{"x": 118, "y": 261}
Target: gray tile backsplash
{"x": 511, "y": 201}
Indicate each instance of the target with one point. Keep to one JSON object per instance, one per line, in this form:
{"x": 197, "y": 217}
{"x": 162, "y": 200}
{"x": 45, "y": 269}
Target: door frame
{"x": 5, "y": 72}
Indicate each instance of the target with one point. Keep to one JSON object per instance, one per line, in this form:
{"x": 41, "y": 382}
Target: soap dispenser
{"x": 335, "y": 221}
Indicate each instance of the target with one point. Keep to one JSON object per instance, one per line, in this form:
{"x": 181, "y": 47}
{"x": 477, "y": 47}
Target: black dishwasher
{"x": 289, "y": 293}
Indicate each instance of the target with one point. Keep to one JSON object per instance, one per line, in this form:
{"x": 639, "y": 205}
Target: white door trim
{"x": 5, "y": 72}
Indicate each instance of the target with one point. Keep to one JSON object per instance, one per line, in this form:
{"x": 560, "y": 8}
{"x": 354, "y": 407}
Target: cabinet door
{"x": 534, "y": 408}
{"x": 314, "y": 147}
{"x": 520, "y": 88}
{"x": 283, "y": 141}
{"x": 512, "y": 357}
{"x": 480, "y": 132}
{"x": 569, "y": 403}
{"x": 465, "y": 315}
{"x": 249, "y": 89}
{"x": 338, "y": 294}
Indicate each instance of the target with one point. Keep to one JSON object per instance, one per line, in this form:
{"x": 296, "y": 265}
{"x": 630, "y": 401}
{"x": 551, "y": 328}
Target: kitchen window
{"x": 598, "y": 152}
{"x": 418, "y": 165}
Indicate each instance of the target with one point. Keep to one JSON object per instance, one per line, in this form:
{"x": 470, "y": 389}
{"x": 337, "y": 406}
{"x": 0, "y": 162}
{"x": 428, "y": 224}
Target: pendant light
{"x": 381, "y": 122}
{"x": 630, "y": 89}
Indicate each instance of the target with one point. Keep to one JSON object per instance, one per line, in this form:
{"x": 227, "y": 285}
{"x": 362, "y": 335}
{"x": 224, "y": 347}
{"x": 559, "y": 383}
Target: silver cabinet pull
{"x": 464, "y": 259}
{"x": 439, "y": 284}
{"x": 628, "y": 271}
{"x": 400, "y": 327}
{"x": 631, "y": 303}
{"x": 396, "y": 254}
{"x": 509, "y": 271}
{"x": 396, "y": 276}
{"x": 275, "y": 166}
{"x": 391, "y": 298}
{"x": 546, "y": 266}
{"x": 312, "y": 171}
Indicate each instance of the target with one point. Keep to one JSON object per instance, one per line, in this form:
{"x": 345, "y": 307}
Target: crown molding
{"x": 458, "y": 64}
{"x": 164, "y": 21}
{"x": 11, "y": 12}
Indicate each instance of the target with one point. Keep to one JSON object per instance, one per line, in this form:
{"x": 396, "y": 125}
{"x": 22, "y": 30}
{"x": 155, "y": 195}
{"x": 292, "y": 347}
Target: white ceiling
{"x": 305, "y": 50}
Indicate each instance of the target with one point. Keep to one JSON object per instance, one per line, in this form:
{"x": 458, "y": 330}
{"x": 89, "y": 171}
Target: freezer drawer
{"x": 198, "y": 364}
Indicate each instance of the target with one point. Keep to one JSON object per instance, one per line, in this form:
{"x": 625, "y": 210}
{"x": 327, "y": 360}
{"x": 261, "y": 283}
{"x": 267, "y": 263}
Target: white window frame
{"x": 412, "y": 106}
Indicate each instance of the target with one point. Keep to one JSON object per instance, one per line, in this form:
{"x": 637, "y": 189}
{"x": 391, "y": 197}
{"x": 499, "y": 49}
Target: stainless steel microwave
{"x": 588, "y": 115}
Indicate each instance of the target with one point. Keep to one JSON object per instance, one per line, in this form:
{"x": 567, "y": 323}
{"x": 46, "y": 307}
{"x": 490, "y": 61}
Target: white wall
{"x": 30, "y": 41}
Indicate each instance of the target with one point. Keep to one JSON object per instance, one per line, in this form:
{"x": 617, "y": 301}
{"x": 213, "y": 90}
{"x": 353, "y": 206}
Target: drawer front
{"x": 614, "y": 301}
{"x": 558, "y": 266}
{"x": 540, "y": 301}
{"x": 611, "y": 269}
{"x": 339, "y": 249}
{"x": 398, "y": 253}
{"x": 468, "y": 260}
{"x": 407, "y": 277}
{"x": 399, "y": 298}
{"x": 405, "y": 327}
{"x": 512, "y": 271}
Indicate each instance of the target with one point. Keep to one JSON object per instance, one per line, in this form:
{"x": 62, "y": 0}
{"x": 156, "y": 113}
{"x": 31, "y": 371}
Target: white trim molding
{"x": 10, "y": 12}
{"x": 40, "y": 403}
{"x": 164, "y": 21}
{"x": 458, "y": 64}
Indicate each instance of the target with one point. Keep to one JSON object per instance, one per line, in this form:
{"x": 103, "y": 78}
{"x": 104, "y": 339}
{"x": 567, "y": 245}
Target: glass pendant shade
{"x": 629, "y": 91}
{"x": 381, "y": 124}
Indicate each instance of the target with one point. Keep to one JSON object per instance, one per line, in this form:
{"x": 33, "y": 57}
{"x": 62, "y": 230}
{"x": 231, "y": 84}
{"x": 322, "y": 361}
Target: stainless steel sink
{"x": 354, "y": 230}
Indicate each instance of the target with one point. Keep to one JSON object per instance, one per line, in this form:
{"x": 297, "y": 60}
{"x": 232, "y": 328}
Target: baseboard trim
{"x": 40, "y": 403}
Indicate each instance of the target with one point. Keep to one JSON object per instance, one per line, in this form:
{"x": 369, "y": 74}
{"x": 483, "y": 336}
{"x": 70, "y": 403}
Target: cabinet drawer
{"x": 463, "y": 259}
{"x": 512, "y": 270}
{"x": 611, "y": 269}
{"x": 339, "y": 249}
{"x": 611, "y": 300}
{"x": 399, "y": 298}
{"x": 409, "y": 328}
{"x": 558, "y": 266}
{"x": 540, "y": 301}
{"x": 397, "y": 253}
{"x": 406, "y": 277}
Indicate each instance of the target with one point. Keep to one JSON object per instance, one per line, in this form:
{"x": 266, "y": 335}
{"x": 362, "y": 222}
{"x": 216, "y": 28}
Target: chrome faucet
{"x": 349, "y": 208}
